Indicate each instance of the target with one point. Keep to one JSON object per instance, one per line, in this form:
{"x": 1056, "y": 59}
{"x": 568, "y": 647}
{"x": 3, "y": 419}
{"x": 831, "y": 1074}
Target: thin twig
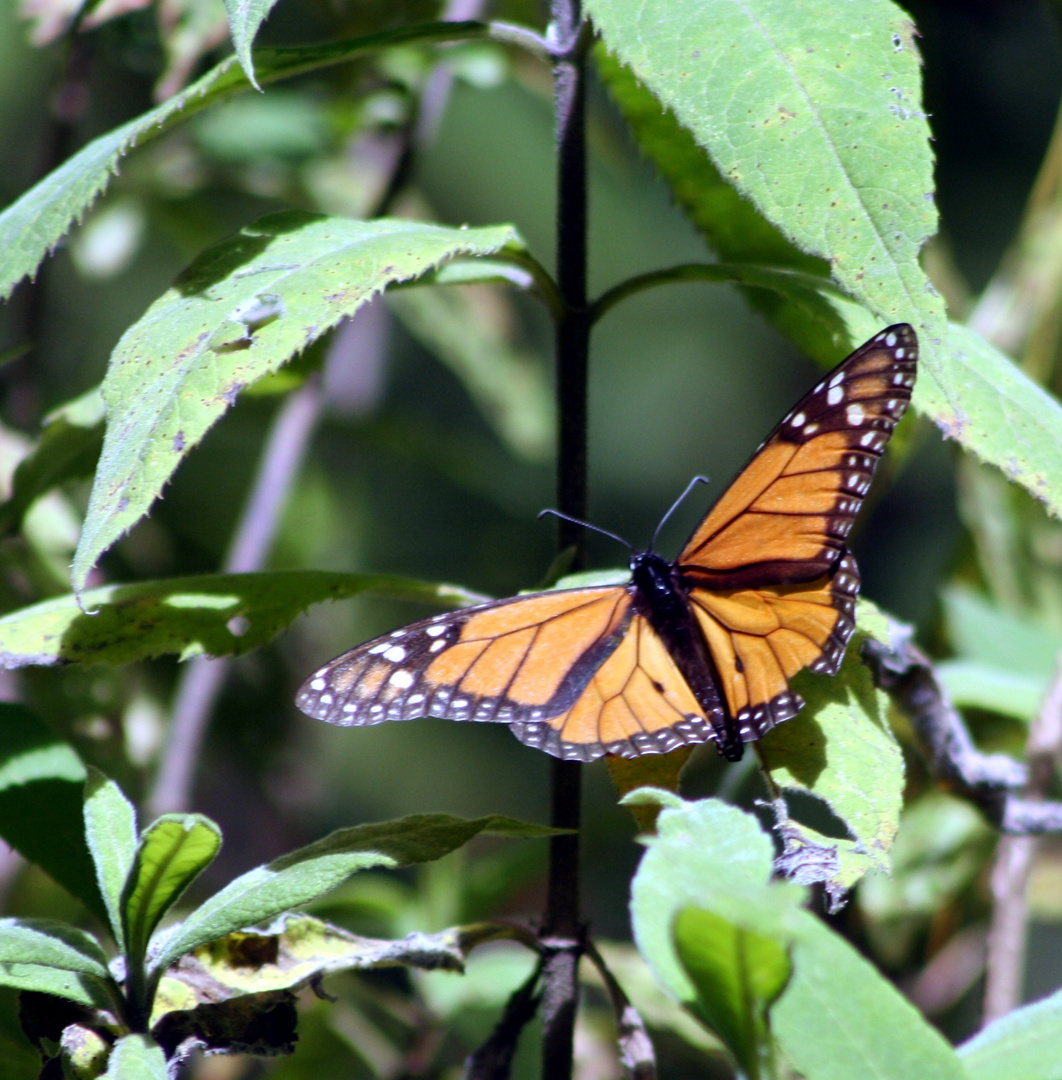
{"x": 203, "y": 678}
{"x": 1008, "y": 932}
{"x": 637, "y": 1057}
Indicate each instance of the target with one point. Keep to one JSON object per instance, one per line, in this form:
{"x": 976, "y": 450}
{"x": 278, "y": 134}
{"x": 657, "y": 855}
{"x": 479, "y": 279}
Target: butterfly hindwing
{"x": 759, "y": 639}
{"x": 787, "y": 516}
{"x": 637, "y": 702}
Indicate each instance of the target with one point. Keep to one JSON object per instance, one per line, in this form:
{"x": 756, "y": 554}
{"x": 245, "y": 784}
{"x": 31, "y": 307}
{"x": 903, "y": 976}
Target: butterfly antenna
{"x": 675, "y": 505}
{"x": 587, "y": 525}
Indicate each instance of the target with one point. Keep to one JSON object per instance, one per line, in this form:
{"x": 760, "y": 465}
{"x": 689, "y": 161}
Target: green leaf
{"x": 980, "y": 398}
{"x": 710, "y": 856}
{"x": 237, "y": 313}
{"x": 309, "y": 872}
{"x": 67, "y": 449}
{"x": 813, "y": 112}
{"x": 72, "y": 985}
{"x": 738, "y": 975}
{"x": 510, "y": 387}
{"x": 137, "y": 1057}
{"x": 216, "y": 614}
{"x": 41, "y": 796}
{"x": 110, "y": 828}
{"x": 1023, "y": 1045}
{"x": 725, "y": 79}
{"x": 840, "y": 748}
{"x": 50, "y": 943}
{"x": 839, "y": 1018}
{"x": 290, "y": 955}
{"x": 173, "y": 851}
{"x": 245, "y": 19}
{"x": 36, "y": 222}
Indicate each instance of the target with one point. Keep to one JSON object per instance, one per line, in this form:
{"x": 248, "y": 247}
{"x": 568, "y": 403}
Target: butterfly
{"x": 698, "y": 649}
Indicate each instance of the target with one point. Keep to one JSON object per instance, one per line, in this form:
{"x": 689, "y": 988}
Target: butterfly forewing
{"x": 510, "y": 660}
{"x": 787, "y": 516}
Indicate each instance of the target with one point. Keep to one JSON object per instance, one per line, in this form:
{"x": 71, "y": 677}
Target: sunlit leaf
{"x": 237, "y": 313}
{"x": 309, "y": 872}
{"x": 216, "y": 614}
{"x": 33, "y": 225}
{"x": 173, "y": 851}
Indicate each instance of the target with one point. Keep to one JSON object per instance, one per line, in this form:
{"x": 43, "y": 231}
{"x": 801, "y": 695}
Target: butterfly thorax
{"x": 660, "y": 596}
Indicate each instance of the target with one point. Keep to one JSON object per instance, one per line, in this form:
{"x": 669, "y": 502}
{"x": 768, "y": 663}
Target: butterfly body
{"x": 661, "y": 595}
{"x": 695, "y": 650}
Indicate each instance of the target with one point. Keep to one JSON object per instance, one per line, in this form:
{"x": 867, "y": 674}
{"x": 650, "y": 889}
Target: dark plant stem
{"x": 561, "y": 931}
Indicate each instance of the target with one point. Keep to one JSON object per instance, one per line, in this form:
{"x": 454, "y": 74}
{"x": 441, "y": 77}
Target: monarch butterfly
{"x": 688, "y": 651}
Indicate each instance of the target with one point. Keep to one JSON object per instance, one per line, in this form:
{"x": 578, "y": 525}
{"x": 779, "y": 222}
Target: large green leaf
{"x": 216, "y": 614}
{"x": 813, "y": 112}
{"x": 1023, "y": 1045}
{"x": 309, "y": 872}
{"x": 110, "y": 828}
{"x": 173, "y": 851}
{"x": 41, "y": 795}
{"x": 44, "y": 979}
{"x": 813, "y": 186}
{"x": 237, "y": 313}
{"x": 34, "y": 224}
{"x": 841, "y": 749}
{"x": 840, "y": 1018}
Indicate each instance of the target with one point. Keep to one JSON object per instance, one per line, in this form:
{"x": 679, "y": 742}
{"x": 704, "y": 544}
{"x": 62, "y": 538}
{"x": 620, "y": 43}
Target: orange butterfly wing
{"x": 768, "y": 576}
{"x": 510, "y": 660}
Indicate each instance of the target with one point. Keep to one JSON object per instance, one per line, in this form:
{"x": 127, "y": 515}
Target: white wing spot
{"x": 435, "y": 631}
{"x": 868, "y": 439}
{"x": 436, "y": 646}
{"x": 855, "y": 414}
{"x": 350, "y": 707}
{"x": 318, "y": 684}
{"x": 835, "y": 395}
{"x": 900, "y": 354}
{"x": 398, "y": 633}
{"x": 837, "y": 379}
{"x": 402, "y": 679}
{"x": 396, "y": 654}
{"x": 890, "y": 340}
{"x": 811, "y": 429}
{"x": 326, "y": 699}
{"x": 798, "y": 420}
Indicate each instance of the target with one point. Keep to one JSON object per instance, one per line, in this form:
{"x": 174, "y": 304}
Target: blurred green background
{"x": 407, "y": 475}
